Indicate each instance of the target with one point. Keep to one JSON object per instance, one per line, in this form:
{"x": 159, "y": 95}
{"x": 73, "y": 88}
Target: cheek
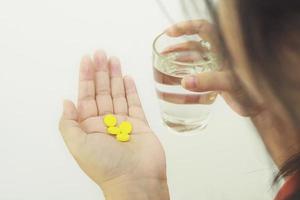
{"x": 248, "y": 81}
{"x": 232, "y": 36}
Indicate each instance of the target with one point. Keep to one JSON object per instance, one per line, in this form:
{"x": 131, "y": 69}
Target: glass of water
{"x": 182, "y": 111}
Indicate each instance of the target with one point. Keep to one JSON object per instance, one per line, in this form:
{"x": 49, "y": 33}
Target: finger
{"x": 191, "y": 46}
{"x": 190, "y": 57}
{"x": 203, "y": 28}
{"x": 102, "y": 81}
{"x": 209, "y": 81}
{"x": 207, "y": 98}
{"x": 134, "y": 104}
{"x": 189, "y": 27}
{"x": 117, "y": 87}
{"x": 87, "y": 106}
{"x": 68, "y": 125}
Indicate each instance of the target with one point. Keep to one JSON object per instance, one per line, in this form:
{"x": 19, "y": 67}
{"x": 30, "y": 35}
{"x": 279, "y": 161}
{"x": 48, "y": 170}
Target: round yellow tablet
{"x": 110, "y": 120}
{"x": 123, "y": 137}
{"x": 113, "y": 130}
{"x": 125, "y": 127}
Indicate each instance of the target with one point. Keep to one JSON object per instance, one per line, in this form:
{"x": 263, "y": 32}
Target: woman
{"x": 259, "y": 45}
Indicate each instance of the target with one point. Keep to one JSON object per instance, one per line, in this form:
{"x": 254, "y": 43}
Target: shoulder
{"x": 291, "y": 189}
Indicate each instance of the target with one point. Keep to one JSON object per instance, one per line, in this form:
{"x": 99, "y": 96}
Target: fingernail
{"x": 172, "y": 32}
{"x": 168, "y": 31}
{"x": 189, "y": 82}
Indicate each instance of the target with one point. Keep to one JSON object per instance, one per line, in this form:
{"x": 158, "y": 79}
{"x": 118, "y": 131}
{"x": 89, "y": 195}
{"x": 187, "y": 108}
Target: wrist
{"x": 138, "y": 189}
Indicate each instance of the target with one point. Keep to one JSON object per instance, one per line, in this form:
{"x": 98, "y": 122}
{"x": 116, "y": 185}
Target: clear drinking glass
{"x": 182, "y": 111}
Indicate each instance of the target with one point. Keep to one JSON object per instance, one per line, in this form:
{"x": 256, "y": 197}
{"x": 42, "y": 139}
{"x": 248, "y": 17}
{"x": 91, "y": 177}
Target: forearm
{"x": 281, "y": 140}
{"x": 137, "y": 190}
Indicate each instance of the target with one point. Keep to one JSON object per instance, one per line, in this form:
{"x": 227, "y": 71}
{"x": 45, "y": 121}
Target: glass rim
{"x": 155, "y": 51}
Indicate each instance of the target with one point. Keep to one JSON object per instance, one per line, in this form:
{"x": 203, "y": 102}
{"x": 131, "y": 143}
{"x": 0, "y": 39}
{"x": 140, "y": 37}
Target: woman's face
{"x": 281, "y": 149}
{"x": 230, "y": 28}
{"x": 232, "y": 34}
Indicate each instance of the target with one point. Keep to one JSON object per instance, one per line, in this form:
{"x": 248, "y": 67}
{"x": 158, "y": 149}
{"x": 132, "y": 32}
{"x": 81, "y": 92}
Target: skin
{"x": 272, "y": 121}
{"x": 141, "y": 162}
{"x": 111, "y": 164}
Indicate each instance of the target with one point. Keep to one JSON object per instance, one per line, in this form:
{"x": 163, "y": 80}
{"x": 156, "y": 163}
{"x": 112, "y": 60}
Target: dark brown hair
{"x": 270, "y": 28}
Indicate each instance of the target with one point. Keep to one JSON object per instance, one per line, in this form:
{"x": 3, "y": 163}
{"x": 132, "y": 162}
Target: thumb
{"x": 208, "y": 81}
{"x": 69, "y": 110}
{"x": 68, "y": 125}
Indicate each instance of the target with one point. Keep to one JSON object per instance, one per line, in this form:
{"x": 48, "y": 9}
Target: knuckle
{"x": 103, "y": 92}
{"x": 119, "y": 95}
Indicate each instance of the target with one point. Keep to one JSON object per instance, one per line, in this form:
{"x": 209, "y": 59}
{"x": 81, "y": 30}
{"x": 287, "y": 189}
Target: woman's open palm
{"x": 103, "y": 90}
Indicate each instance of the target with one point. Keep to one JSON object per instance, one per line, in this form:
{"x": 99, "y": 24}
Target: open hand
{"x": 104, "y": 90}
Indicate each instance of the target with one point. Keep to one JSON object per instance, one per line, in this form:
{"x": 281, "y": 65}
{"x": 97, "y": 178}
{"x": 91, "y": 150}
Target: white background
{"x": 41, "y": 43}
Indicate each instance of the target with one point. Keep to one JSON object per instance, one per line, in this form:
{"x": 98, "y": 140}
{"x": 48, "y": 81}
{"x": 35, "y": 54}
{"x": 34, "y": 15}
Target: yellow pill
{"x": 125, "y": 127}
{"x": 113, "y": 130}
{"x": 110, "y": 120}
{"x": 123, "y": 137}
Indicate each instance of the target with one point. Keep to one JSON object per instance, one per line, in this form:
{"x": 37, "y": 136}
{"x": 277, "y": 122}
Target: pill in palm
{"x": 125, "y": 127}
{"x": 113, "y": 130}
{"x": 123, "y": 137}
{"x": 110, "y": 120}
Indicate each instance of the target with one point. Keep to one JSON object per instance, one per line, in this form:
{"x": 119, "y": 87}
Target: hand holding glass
{"x": 182, "y": 111}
